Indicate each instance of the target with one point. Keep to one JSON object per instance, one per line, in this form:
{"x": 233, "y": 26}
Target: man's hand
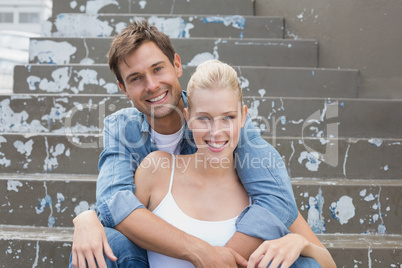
{"x": 89, "y": 242}
{"x": 220, "y": 257}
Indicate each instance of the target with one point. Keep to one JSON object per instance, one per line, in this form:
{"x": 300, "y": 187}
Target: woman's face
{"x": 216, "y": 118}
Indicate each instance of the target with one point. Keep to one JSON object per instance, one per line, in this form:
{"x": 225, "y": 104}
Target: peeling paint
{"x": 71, "y": 25}
{"x": 83, "y": 206}
{"x": 60, "y": 52}
{"x": 172, "y": 27}
{"x": 343, "y": 210}
{"x": 236, "y": 21}
{"x": 13, "y": 185}
{"x": 93, "y": 6}
{"x": 315, "y": 217}
{"x": 11, "y": 121}
{"x": 376, "y": 142}
{"x": 312, "y": 158}
{"x": 50, "y": 161}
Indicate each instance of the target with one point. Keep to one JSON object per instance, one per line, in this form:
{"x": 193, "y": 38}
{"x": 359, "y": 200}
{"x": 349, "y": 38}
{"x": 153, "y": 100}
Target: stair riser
{"x": 255, "y": 81}
{"x": 50, "y": 154}
{"x": 328, "y": 207}
{"x": 183, "y": 26}
{"x": 258, "y": 52}
{"x": 277, "y": 117}
{"x": 367, "y": 257}
{"x": 222, "y": 7}
{"x": 56, "y": 254}
{"x": 340, "y": 158}
{"x": 34, "y": 253}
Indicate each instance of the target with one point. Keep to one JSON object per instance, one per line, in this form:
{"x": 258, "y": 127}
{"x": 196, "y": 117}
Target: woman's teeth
{"x": 216, "y": 145}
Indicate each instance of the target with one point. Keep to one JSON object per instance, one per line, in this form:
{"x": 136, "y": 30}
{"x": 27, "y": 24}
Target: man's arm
{"x": 264, "y": 176}
{"x": 152, "y": 233}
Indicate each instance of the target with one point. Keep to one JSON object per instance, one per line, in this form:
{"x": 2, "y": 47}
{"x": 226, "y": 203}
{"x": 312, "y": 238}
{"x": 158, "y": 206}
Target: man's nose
{"x": 152, "y": 83}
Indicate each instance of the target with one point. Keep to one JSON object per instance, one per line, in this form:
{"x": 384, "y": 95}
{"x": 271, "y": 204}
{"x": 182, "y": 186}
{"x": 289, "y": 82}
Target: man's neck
{"x": 169, "y": 124}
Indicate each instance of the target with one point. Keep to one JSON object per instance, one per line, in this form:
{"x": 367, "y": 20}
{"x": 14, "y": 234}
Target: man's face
{"x": 151, "y": 82}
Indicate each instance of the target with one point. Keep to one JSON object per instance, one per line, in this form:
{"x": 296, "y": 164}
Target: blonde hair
{"x": 213, "y": 74}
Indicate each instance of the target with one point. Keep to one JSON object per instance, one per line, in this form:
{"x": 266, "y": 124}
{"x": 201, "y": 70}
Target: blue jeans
{"x": 128, "y": 254}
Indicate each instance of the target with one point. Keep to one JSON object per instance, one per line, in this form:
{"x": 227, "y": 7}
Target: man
{"x": 147, "y": 69}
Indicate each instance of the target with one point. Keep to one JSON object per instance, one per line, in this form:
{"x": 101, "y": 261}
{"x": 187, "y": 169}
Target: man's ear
{"x": 177, "y": 65}
{"x": 244, "y": 115}
{"x": 121, "y": 86}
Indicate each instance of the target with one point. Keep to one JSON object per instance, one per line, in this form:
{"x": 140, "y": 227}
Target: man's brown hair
{"x": 131, "y": 38}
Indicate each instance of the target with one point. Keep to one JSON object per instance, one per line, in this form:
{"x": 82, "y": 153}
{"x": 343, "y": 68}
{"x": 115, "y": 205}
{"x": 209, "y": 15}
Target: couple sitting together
{"x": 176, "y": 187}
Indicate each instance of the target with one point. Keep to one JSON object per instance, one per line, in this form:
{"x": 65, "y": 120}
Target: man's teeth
{"x": 216, "y": 145}
{"x": 158, "y": 98}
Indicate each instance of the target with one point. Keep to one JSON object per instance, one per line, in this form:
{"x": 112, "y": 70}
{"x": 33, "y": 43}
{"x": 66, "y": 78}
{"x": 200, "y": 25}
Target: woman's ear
{"x": 244, "y": 116}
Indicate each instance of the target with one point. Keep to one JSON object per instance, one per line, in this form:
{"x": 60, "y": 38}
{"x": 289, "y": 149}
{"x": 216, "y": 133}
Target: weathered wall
{"x": 358, "y": 34}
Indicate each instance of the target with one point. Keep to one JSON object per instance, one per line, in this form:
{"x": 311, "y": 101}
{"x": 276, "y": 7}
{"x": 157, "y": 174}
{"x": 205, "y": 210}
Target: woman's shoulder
{"x": 154, "y": 165}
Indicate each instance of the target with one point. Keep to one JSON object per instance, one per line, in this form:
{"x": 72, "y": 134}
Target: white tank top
{"x": 216, "y": 233}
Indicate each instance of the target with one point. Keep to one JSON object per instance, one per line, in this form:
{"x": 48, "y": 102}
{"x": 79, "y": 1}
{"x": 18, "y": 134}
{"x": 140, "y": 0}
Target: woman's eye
{"x": 203, "y": 118}
{"x": 230, "y": 117}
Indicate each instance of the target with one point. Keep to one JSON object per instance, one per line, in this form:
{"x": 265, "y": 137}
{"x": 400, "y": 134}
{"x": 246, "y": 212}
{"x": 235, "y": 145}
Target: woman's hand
{"x": 89, "y": 242}
{"x": 283, "y": 251}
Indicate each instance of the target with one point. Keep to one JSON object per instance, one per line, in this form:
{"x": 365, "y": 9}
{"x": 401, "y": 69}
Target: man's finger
{"x": 240, "y": 260}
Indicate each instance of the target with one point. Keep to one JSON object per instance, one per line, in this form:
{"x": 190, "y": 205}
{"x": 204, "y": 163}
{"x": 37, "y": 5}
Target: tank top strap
{"x": 171, "y": 176}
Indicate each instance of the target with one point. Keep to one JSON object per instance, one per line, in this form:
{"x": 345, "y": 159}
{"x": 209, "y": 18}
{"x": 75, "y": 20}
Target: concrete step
{"x": 318, "y": 117}
{"x": 329, "y": 206}
{"x": 305, "y": 157}
{"x": 249, "y": 52}
{"x": 275, "y": 116}
{"x": 255, "y": 81}
{"x": 222, "y": 7}
{"x": 47, "y": 200}
{"x": 26, "y": 246}
{"x": 37, "y": 153}
{"x": 175, "y": 26}
{"x": 348, "y": 158}
{"x": 51, "y": 247}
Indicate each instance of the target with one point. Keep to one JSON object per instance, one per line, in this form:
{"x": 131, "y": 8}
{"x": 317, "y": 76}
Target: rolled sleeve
{"x": 124, "y": 149}
{"x": 264, "y": 176}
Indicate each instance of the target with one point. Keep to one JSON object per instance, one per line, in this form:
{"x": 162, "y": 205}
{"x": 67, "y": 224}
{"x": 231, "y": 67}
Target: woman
{"x": 201, "y": 194}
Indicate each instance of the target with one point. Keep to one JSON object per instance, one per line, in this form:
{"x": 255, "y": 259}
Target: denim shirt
{"x": 127, "y": 141}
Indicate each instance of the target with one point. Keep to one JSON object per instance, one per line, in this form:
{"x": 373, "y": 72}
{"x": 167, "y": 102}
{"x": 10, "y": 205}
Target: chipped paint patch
{"x": 173, "y": 27}
{"x": 237, "y": 22}
{"x": 52, "y": 52}
{"x": 83, "y": 206}
{"x": 93, "y": 6}
{"x": 343, "y": 210}
{"x": 315, "y": 217}
{"x": 71, "y": 25}
{"x": 13, "y": 185}
{"x": 50, "y": 161}
{"x": 376, "y": 142}
{"x": 11, "y": 121}
{"x": 312, "y": 158}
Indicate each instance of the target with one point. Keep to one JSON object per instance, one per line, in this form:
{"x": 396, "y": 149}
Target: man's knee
{"x": 305, "y": 262}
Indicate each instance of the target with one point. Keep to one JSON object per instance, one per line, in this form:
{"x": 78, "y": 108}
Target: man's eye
{"x": 135, "y": 79}
{"x": 157, "y": 69}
